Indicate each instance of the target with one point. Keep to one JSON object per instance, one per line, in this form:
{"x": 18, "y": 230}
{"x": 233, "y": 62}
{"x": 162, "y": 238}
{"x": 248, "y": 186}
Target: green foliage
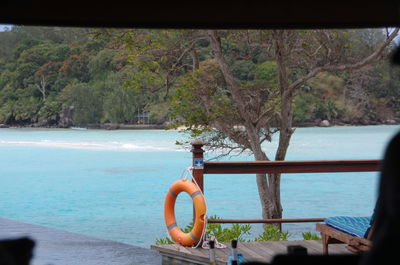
{"x": 329, "y": 110}
{"x": 320, "y": 99}
{"x": 308, "y": 107}
{"x": 76, "y": 66}
{"x": 101, "y": 64}
{"x": 327, "y": 85}
{"x": 272, "y": 233}
{"x": 7, "y": 79}
{"x": 159, "y": 112}
{"x": 310, "y": 236}
{"x": 146, "y": 77}
{"x": 153, "y": 71}
{"x": 243, "y": 70}
{"x": 164, "y": 241}
{"x": 44, "y": 53}
{"x": 6, "y": 111}
{"x": 235, "y": 231}
{"x": 183, "y": 105}
{"x": 385, "y": 85}
{"x": 25, "y": 74}
{"x": 87, "y": 101}
{"x": 120, "y": 105}
{"x": 23, "y": 45}
{"x": 303, "y": 107}
{"x": 205, "y": 84}
{"x": 26, "y": 109}
{"x": 96, "y": 44}
{"x": 267, "y": 72}
{"x": 50, "y": 111}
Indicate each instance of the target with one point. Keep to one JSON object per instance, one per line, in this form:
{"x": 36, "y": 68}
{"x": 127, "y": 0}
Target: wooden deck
{"x": 252, "y": 251}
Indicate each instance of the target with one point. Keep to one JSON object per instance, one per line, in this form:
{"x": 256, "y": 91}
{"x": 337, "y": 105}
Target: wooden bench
{"x": 331, "y": 235}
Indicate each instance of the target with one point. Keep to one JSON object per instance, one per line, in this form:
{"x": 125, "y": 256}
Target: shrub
{"x": 310, "y": 236}
{"x": 164, "y": 241}
{"x": 303, "y": 107}
{"x": 272, "y": 233}
{"x": 236, "y": 231}
{"x": 329, "y": 110}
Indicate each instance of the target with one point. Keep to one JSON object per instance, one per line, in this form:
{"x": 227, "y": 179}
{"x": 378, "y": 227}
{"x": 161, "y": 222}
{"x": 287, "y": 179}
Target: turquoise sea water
{"x": 112, "y": 184}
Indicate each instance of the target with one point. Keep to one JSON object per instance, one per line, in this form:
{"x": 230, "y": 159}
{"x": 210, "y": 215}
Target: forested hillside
{"x": 84, "y": 77}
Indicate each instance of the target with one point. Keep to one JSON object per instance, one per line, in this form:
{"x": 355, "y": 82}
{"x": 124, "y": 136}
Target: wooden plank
{"x": 252, "y": 251}
{"x": 191, "y": 254}
{"x": 266, "y": 253}
{"x": 275, "y": 246}
{"x": 176, "y": 251}
{"x": 223, "y": 252}
{"x": 199, "y": 252}
{"x": 221, "y": 255}
{"x": 179, "y": 248}
{"x": 338, "y": 249}
{"x": 245, "y": 252}
{"x": 315, "y": 166}
{"x": 313, "y": 246}
{"x": 248, "y": 253}
{"x": 287, "y": 243}
{"x": 177, "y": 260}
{"x": 302, "y": 243}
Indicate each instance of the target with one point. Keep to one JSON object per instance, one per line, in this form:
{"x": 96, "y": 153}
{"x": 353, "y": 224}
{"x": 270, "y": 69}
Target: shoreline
{"x": 182, "y": 128}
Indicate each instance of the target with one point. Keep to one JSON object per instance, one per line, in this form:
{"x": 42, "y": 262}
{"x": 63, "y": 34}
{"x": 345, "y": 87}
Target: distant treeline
{"x": 51, "y": 76}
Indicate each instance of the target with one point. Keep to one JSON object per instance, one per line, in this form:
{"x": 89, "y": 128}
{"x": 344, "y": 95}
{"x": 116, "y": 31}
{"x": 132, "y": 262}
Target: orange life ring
{"x": 194, "y": 236}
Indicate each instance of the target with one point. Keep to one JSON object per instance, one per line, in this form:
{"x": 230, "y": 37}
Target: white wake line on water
{"x": 89, "y": 146}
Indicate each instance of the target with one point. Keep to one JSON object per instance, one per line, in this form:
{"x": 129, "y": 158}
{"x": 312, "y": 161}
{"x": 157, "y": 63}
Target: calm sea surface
{"x": 112, "y": 184}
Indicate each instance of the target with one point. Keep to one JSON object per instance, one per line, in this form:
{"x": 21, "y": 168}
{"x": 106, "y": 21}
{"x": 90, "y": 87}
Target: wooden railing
{"x": 255, "y": 167}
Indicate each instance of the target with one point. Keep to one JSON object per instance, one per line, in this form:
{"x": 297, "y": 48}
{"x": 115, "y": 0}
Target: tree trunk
{"x": 272, "y": 207}
{"x": 268, "y": 185}
{"x": 42, "y": 87}
{"x": 195, "y": 59}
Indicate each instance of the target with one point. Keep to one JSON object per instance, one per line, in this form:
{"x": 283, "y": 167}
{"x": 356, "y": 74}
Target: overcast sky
{"x": 3, "y": 27}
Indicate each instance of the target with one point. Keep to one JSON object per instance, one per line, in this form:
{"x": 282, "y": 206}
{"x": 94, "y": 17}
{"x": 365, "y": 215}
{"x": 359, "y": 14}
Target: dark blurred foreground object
{"x": 16, "y": 251}
{"x": 296, "y": 250}
{"x": 311, "y": 260}
{"x": 386, "y": 236}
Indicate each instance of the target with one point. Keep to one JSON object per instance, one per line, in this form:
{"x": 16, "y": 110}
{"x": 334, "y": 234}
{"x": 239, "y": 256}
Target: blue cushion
{"x": 356, "y": 226}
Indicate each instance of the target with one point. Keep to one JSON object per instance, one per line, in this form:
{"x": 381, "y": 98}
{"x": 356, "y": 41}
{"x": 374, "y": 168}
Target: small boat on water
{"x": 78, "y": 128}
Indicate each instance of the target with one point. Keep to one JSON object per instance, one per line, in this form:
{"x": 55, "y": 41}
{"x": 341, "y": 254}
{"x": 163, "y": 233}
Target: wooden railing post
{"x": 198, "y": 163}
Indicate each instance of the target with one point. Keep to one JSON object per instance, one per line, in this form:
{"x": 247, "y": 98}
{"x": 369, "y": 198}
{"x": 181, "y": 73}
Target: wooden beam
{"x": 264, "y": 221}
{"x": 318, "y": 166}
{"x": 205, "y": 14}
